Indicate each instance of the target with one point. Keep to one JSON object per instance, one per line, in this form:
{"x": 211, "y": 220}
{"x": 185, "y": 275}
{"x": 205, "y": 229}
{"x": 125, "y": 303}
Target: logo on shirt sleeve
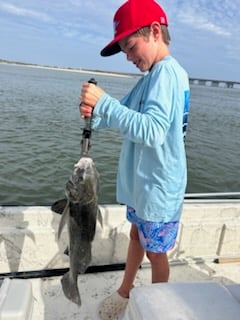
{"x": 186, "y": 112}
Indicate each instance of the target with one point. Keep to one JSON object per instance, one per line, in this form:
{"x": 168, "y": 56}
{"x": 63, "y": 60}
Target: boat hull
{"x": 28, "y": 235}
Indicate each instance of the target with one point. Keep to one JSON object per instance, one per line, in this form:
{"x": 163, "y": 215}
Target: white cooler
{"x": 16, "y": 299}
{"x": 184, "y": 301}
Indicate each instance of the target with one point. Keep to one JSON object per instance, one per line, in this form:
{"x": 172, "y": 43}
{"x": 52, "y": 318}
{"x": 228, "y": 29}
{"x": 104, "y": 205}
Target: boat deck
{"x": 28, "y": 243}
{"x": 50, "y": 303}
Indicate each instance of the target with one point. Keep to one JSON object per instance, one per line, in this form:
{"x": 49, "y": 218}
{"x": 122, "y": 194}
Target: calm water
{"x": 41, "y": 133}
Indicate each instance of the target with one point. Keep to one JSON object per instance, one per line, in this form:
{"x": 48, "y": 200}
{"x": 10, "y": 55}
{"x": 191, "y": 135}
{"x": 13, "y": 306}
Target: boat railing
{"x": 214, "y": 197}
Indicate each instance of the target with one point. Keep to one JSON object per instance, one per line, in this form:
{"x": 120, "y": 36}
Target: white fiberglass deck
{"x": 49, "y": 302}
{"x": 28, "y": 242}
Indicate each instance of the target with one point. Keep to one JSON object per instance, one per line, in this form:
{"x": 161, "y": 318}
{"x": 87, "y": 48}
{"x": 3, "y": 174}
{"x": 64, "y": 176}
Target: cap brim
{"x": 110, "y": 49}
{"x": 113, "y": 46}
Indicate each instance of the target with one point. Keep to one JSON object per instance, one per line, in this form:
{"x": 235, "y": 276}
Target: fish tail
{"x": 70, "y": 288}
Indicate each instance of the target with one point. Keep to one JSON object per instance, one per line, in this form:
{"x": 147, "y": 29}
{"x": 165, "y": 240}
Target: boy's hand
{"x": 90, "y": 94}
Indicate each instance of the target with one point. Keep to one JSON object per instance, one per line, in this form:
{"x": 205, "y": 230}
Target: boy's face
{"x": 143, "y": 51}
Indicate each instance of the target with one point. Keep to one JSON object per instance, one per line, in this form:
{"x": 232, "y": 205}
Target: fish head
{"x": 82, "y": 185}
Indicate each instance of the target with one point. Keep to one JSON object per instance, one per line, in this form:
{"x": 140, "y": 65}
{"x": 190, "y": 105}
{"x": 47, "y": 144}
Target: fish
{"x": 80, "y": 212}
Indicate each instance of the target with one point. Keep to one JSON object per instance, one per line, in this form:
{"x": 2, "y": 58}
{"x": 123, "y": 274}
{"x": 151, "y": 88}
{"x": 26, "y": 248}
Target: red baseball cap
{"x": 130, "y": 17}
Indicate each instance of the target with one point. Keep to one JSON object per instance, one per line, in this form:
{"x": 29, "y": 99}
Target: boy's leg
{"x": 114, "y": 305}
{"x": 160, "y": 266}
{"x": 157, "y": 238}
{"x": 134, "y": 259}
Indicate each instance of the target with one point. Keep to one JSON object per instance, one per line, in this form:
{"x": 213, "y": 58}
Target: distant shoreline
{"x": 232, "y": 83}
{"x": 68, "y": 69}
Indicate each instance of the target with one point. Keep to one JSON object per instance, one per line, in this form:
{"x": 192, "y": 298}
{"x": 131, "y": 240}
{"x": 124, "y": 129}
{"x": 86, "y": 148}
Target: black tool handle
{"x": 92, "y": 80}
{"x": 88, "y": 120}
{"x": 87, "y": 129}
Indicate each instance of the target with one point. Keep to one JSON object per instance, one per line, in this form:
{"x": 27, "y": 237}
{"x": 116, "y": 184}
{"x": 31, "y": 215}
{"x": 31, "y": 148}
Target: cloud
{"x": 203, "y": 32}
{"x": 219, "y": 17}
{"x": 23, "y": 12}
{"x": 70, "y": 19}
{"x": 202, "y": 23}
{"x": 216, "y": 17}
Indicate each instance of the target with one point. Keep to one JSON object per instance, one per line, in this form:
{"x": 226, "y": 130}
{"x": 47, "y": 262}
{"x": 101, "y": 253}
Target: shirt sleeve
{"x": 151, "y": 122}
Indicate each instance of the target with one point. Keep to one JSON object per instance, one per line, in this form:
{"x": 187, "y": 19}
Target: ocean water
{"x": 41, "y": 132}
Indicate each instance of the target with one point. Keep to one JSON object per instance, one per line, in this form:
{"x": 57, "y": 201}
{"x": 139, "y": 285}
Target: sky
{"x": 71, "y": 33}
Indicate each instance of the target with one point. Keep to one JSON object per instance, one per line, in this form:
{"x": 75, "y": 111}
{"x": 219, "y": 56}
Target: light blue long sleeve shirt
{"x": 152, "y": 171}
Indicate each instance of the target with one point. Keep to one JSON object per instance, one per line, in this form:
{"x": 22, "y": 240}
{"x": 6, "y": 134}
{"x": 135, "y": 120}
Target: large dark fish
{"x": 80, "y": 212}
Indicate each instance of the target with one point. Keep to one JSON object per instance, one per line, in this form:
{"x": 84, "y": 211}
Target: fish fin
{"x": 58, "y": 206}
{"x": 64, "y": 219}
{"x": 100, "y": 217}
{"x": 70, "y": 288}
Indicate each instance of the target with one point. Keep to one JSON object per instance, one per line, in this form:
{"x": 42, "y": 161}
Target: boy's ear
{"x": 156, "y": 29}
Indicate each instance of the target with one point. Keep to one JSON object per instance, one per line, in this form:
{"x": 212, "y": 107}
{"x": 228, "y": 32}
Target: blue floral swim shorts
{"x": 155, "y": 237}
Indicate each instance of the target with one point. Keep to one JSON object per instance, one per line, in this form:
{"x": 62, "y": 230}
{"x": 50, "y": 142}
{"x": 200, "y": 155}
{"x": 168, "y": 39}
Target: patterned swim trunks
{"x": 155, "y": 237}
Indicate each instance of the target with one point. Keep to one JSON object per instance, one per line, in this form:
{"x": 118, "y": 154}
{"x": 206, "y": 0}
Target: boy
{"x": 152, "y": 166}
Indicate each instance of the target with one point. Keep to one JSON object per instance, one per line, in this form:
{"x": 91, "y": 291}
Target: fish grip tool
{"x": 87, "y": 130}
